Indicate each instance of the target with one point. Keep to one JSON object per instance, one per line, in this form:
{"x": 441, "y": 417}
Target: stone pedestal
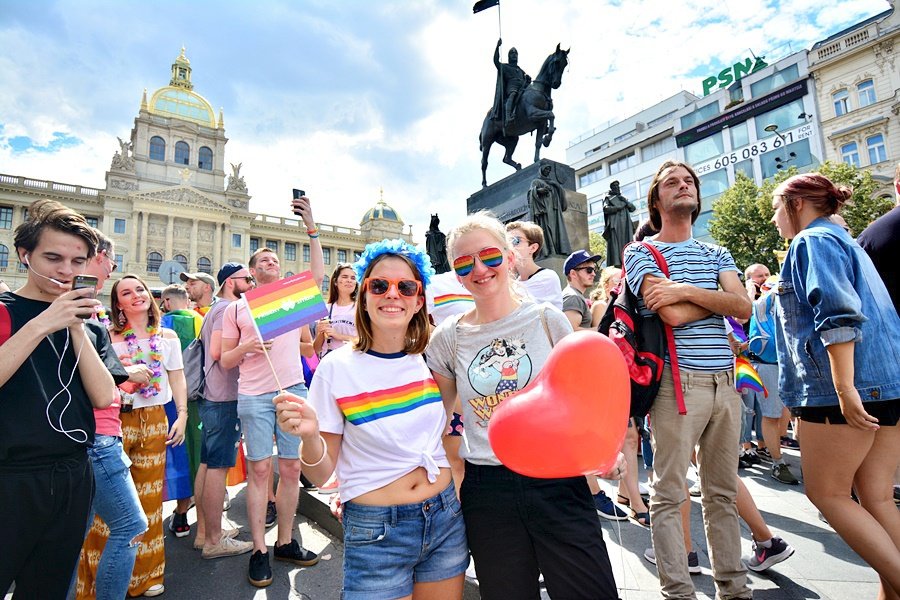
{"x": 508, "y": 200}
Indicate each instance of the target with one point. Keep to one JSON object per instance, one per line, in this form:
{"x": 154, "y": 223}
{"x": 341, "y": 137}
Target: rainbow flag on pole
{"x": 285, "y": 305}
{"x": 746, "y": 377}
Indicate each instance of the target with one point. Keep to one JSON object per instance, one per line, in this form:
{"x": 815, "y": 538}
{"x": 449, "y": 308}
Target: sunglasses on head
{"x": 379, "y": 286}
{"x": 247, "y": 278}
{"x": 490, "y": 257}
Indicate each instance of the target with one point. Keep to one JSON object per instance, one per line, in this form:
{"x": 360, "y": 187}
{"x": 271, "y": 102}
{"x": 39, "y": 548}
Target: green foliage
{"x": 597, "y": 245}
{"x": 863, "y": 207}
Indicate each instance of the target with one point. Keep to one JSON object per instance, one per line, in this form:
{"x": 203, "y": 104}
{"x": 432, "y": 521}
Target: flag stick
{"x": 274, "y": 374}
{"x": 499, "y": 25}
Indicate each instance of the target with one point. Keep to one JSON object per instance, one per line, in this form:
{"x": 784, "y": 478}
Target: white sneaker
{"x": 155, "y": 590}
{"x": 227, "y": 547}
{"x": 470, "y": 572}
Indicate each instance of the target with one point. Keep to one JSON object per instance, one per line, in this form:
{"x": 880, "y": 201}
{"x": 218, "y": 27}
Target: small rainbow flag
{"x": 285, "y": 305}
{"x": 735, "y": 329}
{"x": 746, "y": 377}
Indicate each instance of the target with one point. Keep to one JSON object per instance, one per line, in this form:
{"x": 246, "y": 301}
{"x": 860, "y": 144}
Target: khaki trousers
{"x": 713, "y": 421}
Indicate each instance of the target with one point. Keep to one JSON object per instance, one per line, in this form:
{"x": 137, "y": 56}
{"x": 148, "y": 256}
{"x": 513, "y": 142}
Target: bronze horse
{"x": 534, "y": 112}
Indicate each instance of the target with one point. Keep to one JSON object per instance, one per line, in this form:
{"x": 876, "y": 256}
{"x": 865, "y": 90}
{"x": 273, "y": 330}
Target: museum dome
{"x": 381, "y": 211}
{"x": 178, "y": 100}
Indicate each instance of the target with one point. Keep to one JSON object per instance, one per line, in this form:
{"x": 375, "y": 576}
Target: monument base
{"x": 507, "y": 199}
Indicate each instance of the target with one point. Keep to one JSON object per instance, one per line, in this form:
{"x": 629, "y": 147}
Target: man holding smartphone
{"x": 46, "y": 421}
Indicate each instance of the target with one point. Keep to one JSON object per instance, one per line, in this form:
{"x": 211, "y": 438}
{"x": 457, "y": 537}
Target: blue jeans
{"x": 257, "y": 414}
{"x": 116, "y": 502}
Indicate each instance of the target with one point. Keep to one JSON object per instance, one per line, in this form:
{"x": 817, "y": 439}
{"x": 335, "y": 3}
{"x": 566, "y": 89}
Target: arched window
{"x": 182, "y": 153}
{"x": 204, "y": 265}
{"x": 154, "y": 259}
{"x": 850, "y": 154}
{"x": 841, "y": 99}
{"x": 205, "y": 159}
{"x": 289, "y": 274}
{"x": 157, "y": 148}
{"x": 865, "y": 91}
{"x": 877, "y": 151}
{"x": 182, "y": 260}
{"x": 4, "y": 256}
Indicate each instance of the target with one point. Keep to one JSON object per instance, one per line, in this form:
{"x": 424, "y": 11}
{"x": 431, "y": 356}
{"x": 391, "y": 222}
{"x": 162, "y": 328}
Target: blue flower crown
{"x": 401, "y": 248}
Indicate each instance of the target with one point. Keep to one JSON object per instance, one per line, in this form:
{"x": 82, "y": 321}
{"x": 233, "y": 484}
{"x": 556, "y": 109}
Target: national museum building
{"x": 168, "y": 202}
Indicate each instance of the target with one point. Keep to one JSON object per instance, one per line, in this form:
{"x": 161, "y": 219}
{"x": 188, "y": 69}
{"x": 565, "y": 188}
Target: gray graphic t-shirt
{"x": 490, "y": 362}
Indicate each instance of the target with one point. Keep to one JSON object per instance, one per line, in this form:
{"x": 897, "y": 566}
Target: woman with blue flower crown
{"x": 375, "y": 416}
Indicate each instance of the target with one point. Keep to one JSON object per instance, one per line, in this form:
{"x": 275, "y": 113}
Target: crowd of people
{"x": 389, "y": 398}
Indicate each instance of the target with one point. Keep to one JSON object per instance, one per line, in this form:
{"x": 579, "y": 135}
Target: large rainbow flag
{"x": 285, "y": 305}
{"x": 746, "y": 377}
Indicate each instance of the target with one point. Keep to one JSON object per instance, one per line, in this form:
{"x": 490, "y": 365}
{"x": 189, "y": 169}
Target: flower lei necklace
{"x": 137, "y": 357}
{"x": 103, "y": 317}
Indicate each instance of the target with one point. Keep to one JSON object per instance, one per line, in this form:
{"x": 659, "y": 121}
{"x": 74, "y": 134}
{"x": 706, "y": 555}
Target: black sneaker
{"x": 607, "y": 508}
{"x": 178, "y": 524}
{"x": 764, "y": 455}
{"x": 750, "y": 456}
{"x": 295, "y": 553}
{"x": 306, "y": 484}
{"x": 271, "y": 514}
{"x": 781, "y": 472}
{"x": 763, "y": 558}
{"x": 260, "y": 571}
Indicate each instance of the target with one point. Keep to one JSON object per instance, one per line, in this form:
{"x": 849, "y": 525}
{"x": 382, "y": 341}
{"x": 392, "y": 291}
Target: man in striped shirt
{"x": 702, "y": 286}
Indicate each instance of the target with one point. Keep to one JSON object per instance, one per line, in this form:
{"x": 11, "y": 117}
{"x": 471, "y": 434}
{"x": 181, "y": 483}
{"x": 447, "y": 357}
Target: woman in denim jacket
{"x": 838, "y": 339}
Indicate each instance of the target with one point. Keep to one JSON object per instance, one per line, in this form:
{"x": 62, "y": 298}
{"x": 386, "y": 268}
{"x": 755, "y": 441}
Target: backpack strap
{"x": 670, "y": 335}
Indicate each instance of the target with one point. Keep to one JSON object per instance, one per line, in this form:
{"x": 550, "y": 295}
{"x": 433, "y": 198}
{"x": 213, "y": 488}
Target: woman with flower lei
{"x": 137, "y": 338}
{"x": 384, "y": 439}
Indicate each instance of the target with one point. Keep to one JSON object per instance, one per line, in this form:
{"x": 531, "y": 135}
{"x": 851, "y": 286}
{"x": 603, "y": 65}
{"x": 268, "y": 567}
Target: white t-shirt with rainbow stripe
{"x": 389, "y": 411}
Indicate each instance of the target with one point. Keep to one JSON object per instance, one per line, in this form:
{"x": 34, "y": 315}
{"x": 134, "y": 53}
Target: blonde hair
{"x": 606, "y": 275}
{"x": 486, "y": 221}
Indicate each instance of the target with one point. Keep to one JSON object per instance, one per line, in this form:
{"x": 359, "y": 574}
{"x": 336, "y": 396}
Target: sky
{"x": 347, "y": 98}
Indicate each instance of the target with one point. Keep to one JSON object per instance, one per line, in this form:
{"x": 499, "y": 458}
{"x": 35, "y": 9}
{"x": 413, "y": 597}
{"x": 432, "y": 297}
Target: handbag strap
{"x": 670, "y": 335}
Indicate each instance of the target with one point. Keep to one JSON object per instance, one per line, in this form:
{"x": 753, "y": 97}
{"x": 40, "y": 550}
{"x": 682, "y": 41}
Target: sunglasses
{"x": 247, "y": 278}
{"x": 490, "y": 257}
{"x": 379, "y": 286}
{"x": 590, "y": 270}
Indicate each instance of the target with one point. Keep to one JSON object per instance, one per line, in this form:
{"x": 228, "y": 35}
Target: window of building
{"x": 841, "y": 99}
{"x": 865, "y": 91}
{"x": 93, "y": 222}
{"x": 289, "y": 274}
{"x": 700, "y": 115}
{"x": 182, "y": 153}
{"x": 774, "y": 81}
{"x": 705, "y": 149}
{"x": 793, "y": 155}
{"x": 591, "y": 176}
{"x": 236, "y": 240}
{"x": 740, "y": 135}
{"x": 342, "y": 256}
{"x": 272, "y": 245}
{"x": 154, "y": 259}
{"x": 204, "y": 265}
{"x": 181, "y": 259}
{"x": 120, "y": 263}
{"x": 877, "y": 151}
{"x": 622, "y": 163}
{"x": 785, "y": 117}
{"x": 850, "y": 154}
{"x": 290, "y": 251}
{"x": 324, "y": 288}
{"x": 712, "y": 185}
{"x": 629, "y": 190}
{"x": 119, "y": 226}
{"x": 205, "y": 159}
{"x": 357, "y": 254}
{"x": 4, "y": 256}
{"x": 254, "y": 245}
{"x": 745, "y": 167}
{"x": 651, "y": 151}
{"x": 157, "y": 148}
{"x": 326, "y": 255}
{"x": 6, "y": 215}
{"x": 595, "y": 207}
{"x": 306, "y": 253}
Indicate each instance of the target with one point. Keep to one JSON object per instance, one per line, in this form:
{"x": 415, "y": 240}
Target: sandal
{"x": 641, "y": 518}
{"x": 623, "y": 500}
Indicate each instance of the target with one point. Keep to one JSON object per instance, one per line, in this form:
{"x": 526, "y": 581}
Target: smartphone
{"x": 298, "y": 194}
{"x": 86, "y": 281}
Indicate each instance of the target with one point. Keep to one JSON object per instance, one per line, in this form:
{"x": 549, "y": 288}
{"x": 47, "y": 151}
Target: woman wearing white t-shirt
{"x": 542, "y": 284}
{"x": 374, "y": 415}
{"x": 339, "y": 327}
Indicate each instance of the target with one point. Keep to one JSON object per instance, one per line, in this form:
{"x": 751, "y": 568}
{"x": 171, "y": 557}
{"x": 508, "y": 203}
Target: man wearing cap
{"x": 200, "y": 287}
{"x": 579, "y": 270}
{"x": 218, "y": 413}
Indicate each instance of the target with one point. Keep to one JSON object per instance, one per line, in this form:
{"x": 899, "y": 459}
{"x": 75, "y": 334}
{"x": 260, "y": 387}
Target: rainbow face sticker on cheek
{"x": 490, "y": 257}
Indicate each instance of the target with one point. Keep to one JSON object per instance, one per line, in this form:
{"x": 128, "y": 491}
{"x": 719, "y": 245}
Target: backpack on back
{"x": 643, "y": 340}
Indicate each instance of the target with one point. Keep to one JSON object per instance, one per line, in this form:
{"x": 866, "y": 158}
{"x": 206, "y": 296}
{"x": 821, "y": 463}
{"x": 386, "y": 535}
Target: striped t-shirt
{"x": 388, "y": 409}
{"x": 701, "y": 345}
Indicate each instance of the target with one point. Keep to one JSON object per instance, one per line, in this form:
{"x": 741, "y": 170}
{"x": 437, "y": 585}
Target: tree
{"x": 597, "y": 245}
{"x": 863, "y": 207}
{"x": 742, "y": 221}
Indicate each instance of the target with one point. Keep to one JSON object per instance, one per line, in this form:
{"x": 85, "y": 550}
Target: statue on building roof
{"x": 235, "y": 180}
{"x": 123, "y": 160}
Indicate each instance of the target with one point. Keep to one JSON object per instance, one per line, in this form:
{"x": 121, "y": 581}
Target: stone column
{"x": 217, "y": 248}
{"x": 141, "y": 258}
{"x": 193, "y": 256}
{"x": 170, "y": 236}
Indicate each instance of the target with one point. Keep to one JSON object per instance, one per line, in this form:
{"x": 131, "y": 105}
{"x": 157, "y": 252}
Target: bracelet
{"x": 839, "y": 392}
{"x": 318, "y": 462}
{"x": 313, "y": 236}
{"x": 181, "y": 410}
{"x": 312, "y": 231}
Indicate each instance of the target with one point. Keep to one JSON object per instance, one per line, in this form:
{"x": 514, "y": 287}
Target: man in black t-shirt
{"x": 881, "y": 241}
{"x": 52, "y": 373}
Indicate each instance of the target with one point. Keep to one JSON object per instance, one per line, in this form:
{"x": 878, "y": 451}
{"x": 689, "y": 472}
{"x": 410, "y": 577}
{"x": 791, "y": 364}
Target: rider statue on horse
{"x": 511, "y": 80}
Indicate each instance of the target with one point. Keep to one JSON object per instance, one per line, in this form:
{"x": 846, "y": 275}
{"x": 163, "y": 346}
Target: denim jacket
{"x": 829, "y": 293}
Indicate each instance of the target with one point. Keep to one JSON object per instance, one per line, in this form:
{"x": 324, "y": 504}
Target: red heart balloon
{"x": 570, "y": 420}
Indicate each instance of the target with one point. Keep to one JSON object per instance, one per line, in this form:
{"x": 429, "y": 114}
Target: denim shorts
{"x": 220, "y": 435}
{"x": 257, "y": 414}
{"x": 389, "y": 548}
{"x": 886, "y": 411}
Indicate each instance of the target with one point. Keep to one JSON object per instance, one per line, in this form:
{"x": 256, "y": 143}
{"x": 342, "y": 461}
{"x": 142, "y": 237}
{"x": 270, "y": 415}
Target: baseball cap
{"x": 578, "y": 257}
{"x": 204, "y": 277}
{"x": 227, "y": 270}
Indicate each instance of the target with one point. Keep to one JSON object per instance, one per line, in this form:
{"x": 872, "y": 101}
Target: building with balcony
{"x": 167, "y": 198}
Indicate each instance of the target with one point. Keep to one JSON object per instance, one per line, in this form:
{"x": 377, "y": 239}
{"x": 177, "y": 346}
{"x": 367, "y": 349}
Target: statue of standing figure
{"x": 547, "y": 201}
{"x": 618, "y": 229}
{"x": 436, "y": 246}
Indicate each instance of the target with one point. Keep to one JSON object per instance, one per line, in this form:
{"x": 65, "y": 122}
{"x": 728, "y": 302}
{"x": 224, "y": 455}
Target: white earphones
{"x": 56, "y": 281}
